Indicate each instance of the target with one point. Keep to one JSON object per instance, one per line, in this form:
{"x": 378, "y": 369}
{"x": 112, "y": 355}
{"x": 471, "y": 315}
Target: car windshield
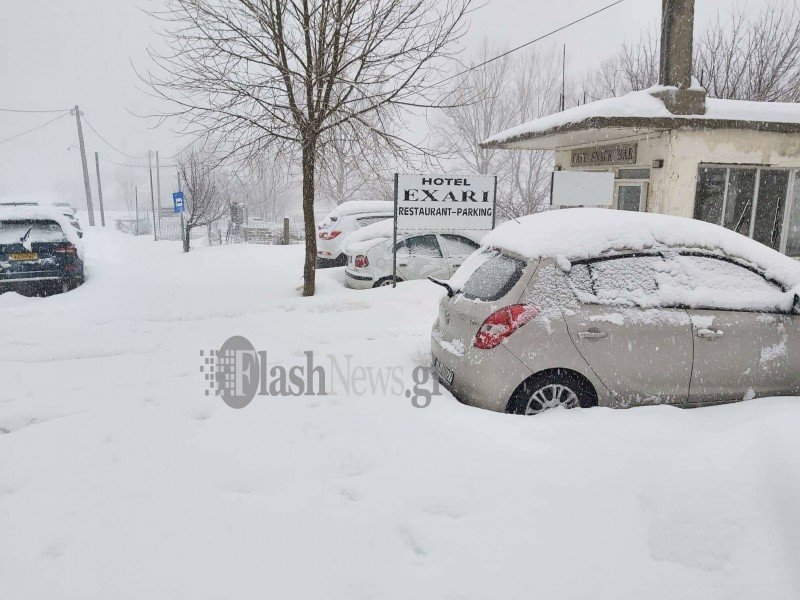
{"x": 12, "y": 232}
{"x": 494, "y": 276}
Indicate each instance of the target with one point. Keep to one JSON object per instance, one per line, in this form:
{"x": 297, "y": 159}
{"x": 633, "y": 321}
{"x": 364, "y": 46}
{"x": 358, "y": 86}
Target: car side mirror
{"x": 796, "y": 305}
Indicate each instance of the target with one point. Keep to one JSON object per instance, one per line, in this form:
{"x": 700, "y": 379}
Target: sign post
{"x": 442, "y": 203}
{"x": 179, "y": 206}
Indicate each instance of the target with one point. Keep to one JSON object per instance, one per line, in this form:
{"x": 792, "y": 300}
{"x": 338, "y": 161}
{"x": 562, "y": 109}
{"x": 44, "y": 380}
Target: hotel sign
{"x": 602, "y": 156}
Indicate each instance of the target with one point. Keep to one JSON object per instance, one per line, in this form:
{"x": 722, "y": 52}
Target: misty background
{"x": 54, "y": 55}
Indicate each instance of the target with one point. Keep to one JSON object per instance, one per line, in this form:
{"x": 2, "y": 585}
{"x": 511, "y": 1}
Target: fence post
{"x": 286, "y": 239}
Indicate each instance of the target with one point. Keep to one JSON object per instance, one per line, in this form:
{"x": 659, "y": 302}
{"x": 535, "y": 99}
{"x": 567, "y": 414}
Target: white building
{"x": 672, "y": 150}
{"x": 737, "y": 164}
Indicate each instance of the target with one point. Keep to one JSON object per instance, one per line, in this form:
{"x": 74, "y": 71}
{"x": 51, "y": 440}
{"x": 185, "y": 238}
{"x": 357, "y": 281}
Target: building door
{"x": 631, "y": 196}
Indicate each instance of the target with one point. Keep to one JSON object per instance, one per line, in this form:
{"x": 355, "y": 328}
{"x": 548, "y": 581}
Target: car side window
{"x": 622, "y": 281}
{"x": 420, "y": 245}
{"x": 458, "y": 245}
{"x": 364, "y": 221}
{"x": 715, "y": 283}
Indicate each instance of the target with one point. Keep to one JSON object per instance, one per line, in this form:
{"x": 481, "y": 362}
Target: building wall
{"x": 685, "y": 150}
{"x": 672, "y": 187}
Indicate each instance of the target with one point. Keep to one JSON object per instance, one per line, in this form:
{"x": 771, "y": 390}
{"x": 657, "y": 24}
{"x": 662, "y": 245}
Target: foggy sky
{"x": 54, "y": 54}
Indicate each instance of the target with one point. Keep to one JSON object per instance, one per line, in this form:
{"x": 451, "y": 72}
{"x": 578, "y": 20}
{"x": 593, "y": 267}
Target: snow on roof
{"x": 643, "y": 105}
{"x": 576, "y": 233}
{"x": 365, "y": 238}
{"x": 354, "y": 207}
{"x": 42, "y": 213}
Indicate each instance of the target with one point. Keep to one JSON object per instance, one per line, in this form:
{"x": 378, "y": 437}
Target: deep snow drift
{"x": 119, "y": 478}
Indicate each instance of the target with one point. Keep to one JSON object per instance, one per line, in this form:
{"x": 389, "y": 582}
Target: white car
{"x": 344, "y": 220}
{"x": 419, "y": 254}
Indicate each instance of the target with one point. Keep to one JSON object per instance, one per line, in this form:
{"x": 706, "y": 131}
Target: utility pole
{"x": 152, "y": 195}
{"x": 181, "y": 213}
{"x": 86, "y": 185}
{"x": 136, "y": 196}
{"x": 564, "y": 79}
{"x": 158, "y": 187}
{"x": 99, "y": 190}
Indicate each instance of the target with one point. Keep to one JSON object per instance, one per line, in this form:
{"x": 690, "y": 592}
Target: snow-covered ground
{"x": 120, "y": 479}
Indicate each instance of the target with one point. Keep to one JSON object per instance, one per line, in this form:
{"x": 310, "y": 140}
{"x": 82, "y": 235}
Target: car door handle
{"x": 709, "y": 334}
{"x": 402, "y": 264}
{"x": 592, "y": 335}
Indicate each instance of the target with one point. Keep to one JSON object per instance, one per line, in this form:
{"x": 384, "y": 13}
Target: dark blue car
{"x": 37, "y": 257}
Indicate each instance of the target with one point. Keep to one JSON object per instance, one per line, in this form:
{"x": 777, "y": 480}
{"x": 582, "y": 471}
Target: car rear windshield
{"x": 14, "y": 232}
{"x": 494, "y": 278}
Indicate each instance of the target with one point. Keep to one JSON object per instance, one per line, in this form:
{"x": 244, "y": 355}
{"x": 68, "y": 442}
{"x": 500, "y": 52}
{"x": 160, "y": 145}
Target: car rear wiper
{"x": 450, "y": 291}
{"x": 27, "y": 233}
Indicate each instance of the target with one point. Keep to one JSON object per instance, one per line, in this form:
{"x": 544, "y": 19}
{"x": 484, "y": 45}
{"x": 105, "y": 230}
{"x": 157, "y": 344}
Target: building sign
{"x": 602, "y": 156}
{"x": 582, "y": 188}
{"x": 178, "y": 202}
{"x": 445, "y": 202}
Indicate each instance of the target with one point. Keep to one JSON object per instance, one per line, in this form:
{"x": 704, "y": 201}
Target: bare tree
{"x": 496, "y": 96}
{"x": 290, "y": 75}
{"x": 535, "y": 91}
{"x": 345, "y": 170}
{"x": 746, "y": 57}
{"x": 205, "y": 202}
{"x": 739, "y": 55}
{"x": 634, "y": 67}
{"x": 480, "y": 109}
{"x": 264, "y": 186}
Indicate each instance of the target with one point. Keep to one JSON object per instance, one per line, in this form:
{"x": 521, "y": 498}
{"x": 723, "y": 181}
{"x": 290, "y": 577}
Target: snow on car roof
{"x": 370, "y": 235}
{"x": 642, "y": 104}
{"x": 575, "y": 233}
{"x": 42, "y": 213}
{"x": 354, "y": 207}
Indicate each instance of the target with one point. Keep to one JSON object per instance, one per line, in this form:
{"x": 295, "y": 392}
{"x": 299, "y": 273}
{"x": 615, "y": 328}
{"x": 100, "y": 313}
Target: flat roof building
{"x": 673, "y": 150}
{"x": 736, "y": 164}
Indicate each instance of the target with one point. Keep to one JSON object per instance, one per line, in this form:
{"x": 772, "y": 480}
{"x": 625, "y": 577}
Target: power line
{"x": 109, "y": 144}
{"x": 14, "y": 110}
{"x": 119, "y": 164}
{"x": 538, "y": 39}
{"x": 13, "y": 137}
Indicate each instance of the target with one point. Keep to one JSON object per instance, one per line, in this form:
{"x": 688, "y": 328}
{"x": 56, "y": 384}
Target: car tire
{"x": 551, "y": 389}
{"x": 384, "y": 281}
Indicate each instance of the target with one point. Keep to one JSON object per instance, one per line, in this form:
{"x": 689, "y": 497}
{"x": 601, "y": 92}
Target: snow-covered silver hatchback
{"x": 585, "y": 307}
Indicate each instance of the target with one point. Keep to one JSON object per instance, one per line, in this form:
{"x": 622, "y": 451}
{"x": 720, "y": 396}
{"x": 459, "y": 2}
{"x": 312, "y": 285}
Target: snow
{"x": 120, "y": 479}
{"x": 34, "y": 213}
{"x": 578, "y": 233}
{"x": 642, "y": 104}
{"x": 354, "y": 207}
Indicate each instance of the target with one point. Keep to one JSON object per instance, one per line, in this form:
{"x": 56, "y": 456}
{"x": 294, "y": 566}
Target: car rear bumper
{"x": 358, "y": 281}
{"x": 482, "y": 378}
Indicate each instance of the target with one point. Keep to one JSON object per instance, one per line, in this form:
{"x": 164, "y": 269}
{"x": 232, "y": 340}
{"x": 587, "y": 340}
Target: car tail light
{"x": 329, "y": 235}
{"x": 502, "y": 323}
{"x": 66, "y": 249}
{"x": 362, "y": 261}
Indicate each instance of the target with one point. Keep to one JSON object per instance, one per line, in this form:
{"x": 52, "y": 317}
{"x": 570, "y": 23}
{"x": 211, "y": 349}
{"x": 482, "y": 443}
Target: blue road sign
{"x": 178, "y": 205}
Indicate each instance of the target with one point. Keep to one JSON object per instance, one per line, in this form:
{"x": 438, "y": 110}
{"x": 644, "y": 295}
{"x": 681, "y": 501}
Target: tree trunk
{"x": 187, "y": 233}
{"x": 309, "y": 272}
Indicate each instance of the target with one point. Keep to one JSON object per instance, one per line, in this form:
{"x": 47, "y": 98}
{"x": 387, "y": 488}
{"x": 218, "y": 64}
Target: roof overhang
{"x": 599, "y": 130}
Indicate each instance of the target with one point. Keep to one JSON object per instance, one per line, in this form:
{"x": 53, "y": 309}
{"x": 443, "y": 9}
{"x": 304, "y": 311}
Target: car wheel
{"x": 559, "y": 388}
{"x": 385, "y": 281}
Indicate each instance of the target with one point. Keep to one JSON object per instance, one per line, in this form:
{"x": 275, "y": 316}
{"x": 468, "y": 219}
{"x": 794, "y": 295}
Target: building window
{"x": 753, "y": 201}
{"x": 793, "y": 229}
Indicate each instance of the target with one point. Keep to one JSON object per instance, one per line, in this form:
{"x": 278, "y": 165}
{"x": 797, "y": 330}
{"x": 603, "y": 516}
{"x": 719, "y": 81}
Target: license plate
{"x": 442, "y": 371}
{"x": 23, "y": 256}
